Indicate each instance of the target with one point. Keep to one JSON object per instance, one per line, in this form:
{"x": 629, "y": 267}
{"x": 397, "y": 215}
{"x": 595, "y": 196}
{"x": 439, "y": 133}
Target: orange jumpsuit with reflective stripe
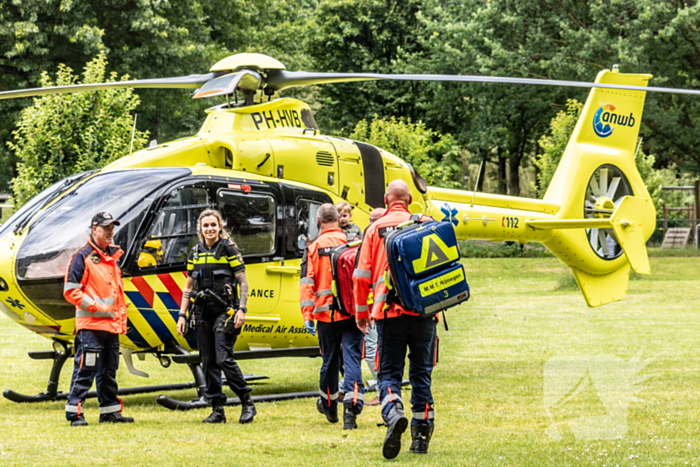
{"x": 369, "y": 274}
{"x": 316, "y": 292}
{"x": 96, "y": 290}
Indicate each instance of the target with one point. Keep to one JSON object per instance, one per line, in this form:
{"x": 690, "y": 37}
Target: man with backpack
{"x": 334, "y": 328}
{"x": 399, "y": 329}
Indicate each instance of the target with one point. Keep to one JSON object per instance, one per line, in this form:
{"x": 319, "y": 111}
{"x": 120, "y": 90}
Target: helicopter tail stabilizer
{"x": 596, "y": 214}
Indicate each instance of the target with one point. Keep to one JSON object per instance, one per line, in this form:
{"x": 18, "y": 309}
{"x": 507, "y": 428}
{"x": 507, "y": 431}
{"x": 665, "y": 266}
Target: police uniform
{"x": 334, "y": 330}
{"x": 213, "y": 268}
{"x": 399, "y": 330}
{"x": 93, "y": 283}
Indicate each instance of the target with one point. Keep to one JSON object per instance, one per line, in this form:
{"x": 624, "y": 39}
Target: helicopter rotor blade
{"x": 225, "y": 85}
{"x": 282, "y": 79}
{"x": 186, "y": 82}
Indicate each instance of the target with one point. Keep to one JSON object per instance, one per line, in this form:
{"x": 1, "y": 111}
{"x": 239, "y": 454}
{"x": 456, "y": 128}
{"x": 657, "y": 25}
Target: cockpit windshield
{"x": 24, "y": 214}
{"x": 64, "y": 227}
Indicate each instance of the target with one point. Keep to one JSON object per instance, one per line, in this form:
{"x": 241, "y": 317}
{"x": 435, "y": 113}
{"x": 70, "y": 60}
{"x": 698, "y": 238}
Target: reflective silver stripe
{"x": 98, "y": 314}
{"x": 381, "y": 297}
{"x": 110, "y": 409}
{"x": 308, "y": 280}
{"x": 87, "y": 300}
{"x": 323, "y": 293}
{"x": 366, "y": 273}
{"x": 360, "y": 396}
{"x": 71, "y": 285}
{"x": 445, "y": 304}
{"x": 325, "y": 396}
{"x": 391, "y": 398}
{"x": 421, "y": 415}
{"x": 321, "y": 309}
{"x": 380, "y": 281}
{"x": 307, "y": 303}
{"x": 361, "y": 308}
{"x": 104, "y": 301}
{"x": 71, "y": 408}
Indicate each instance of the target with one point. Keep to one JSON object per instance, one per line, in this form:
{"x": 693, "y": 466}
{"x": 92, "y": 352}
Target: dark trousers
{"x": 395, "y": 336}
{"x": 96, "y": 357}
{"x": 216, "y": 352}
{"x": 341, "y": 341}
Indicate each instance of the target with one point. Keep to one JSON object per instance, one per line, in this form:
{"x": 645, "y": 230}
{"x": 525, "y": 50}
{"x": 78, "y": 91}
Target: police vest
{"x": 214, "y": 268}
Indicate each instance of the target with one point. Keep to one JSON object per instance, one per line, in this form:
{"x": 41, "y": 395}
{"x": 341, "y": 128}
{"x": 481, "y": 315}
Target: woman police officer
{"x": 213, "y": 266}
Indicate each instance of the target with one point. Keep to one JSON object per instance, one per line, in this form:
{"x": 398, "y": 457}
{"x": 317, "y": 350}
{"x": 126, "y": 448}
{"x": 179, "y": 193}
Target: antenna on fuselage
{"x": 476, "y": 183}
{"x": 133, "y": 132}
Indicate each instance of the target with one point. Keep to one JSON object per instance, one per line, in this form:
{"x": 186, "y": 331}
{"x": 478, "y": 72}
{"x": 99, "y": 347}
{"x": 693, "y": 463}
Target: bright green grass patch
{"x": 488, "y": 388}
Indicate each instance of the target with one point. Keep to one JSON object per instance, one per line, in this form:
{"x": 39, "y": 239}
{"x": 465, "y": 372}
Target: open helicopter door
{"x": 250, "y": 212}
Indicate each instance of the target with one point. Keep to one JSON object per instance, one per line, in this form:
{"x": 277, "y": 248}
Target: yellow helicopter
{"x": 265, "y": 165}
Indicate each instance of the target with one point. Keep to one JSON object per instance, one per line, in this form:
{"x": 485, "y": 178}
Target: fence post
{"x": 665, "y": 220}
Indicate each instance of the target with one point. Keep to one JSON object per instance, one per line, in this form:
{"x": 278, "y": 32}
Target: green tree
{"x": 434, "y": 155}
{"x": 62, "y": 134}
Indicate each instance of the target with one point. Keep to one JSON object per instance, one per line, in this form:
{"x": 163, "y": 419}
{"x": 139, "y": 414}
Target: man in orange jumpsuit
{"x": 93, "y": 284}
{"x": 399, "y": 329}
{"x": 334, "y": 329}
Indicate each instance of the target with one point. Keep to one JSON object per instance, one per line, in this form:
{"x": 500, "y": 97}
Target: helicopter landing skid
{"x": 174, "y": 404}
{"x": 63, "y": 353}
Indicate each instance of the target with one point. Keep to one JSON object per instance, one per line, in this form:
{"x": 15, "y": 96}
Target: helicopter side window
{"x": 250, "y": 220}
{"x": 174, "y": 232}
{"x": 307, "y": 227}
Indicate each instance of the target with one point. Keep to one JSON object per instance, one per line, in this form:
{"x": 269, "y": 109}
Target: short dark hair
{"x": 327, "y": 213}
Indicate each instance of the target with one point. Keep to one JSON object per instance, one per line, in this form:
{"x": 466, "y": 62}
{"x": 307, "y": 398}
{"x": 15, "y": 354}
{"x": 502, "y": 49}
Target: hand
{"x": 181, "y": 324}
{"x": 94, "y": 307}
{"x": 239, "y": 319}
{"x": 363, "y": 324}
{"x": 310, "y": 328}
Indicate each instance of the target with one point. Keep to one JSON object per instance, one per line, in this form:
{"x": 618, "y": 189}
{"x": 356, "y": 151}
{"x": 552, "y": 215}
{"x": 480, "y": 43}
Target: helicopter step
{"x": 174, "y": 404}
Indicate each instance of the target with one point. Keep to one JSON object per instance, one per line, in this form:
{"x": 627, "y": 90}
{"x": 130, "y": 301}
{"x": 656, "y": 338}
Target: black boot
{"x": 396, "y": 424}
{"x": 79, "y": 422}
{"x": 331, "y": 417}
{"x": 421, "y": 434}
{"x": 248, "y": 411}
{"x": 116, "y": 417}
{"x": 217, "y": 415}
{"x": 349, "y": 416}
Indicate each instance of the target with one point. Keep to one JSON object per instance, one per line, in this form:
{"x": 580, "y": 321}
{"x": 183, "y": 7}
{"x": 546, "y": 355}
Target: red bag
{"x": 342, "y": 267}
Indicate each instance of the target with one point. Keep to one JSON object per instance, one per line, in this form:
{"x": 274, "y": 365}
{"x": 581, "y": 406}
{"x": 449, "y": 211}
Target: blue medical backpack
{"x": 424, "y": 265}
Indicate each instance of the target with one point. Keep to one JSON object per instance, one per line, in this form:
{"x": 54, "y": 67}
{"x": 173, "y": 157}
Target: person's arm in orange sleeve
{"x": 362, "y": 282}
{"x": 307, "y": 288}
{"x": 73, "y": 287}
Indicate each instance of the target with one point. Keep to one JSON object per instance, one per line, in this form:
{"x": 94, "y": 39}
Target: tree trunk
{"x": 502, "y": 178}
{"x": 514, "y": 179}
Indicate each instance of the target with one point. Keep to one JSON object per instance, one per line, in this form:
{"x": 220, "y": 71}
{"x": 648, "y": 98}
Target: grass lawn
{"x": 489, "y": 387}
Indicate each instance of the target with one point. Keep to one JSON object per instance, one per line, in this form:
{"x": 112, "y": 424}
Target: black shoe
{"x": 79, "y": 422}
{"x": 349, "y": 416}
{"x": 248, "y": 411}
{"x": 421, "y": 434}
{"x": 396, "y": 424}
{"x": 116, "y": 417}
{"x": 217, "y": 415}
{"x": 331, "y": 417}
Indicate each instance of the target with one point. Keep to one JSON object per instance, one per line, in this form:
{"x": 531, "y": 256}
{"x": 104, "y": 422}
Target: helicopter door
{"x": 250, "y": 215}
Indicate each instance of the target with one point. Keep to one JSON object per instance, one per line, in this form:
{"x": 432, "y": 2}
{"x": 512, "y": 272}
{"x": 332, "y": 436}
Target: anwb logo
{"x": 600, "y": 387}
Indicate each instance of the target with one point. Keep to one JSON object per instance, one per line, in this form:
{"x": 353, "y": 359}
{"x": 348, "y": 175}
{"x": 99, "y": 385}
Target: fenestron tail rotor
{"x": 606, "y": 189}
{"x": 250, "y": 73}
